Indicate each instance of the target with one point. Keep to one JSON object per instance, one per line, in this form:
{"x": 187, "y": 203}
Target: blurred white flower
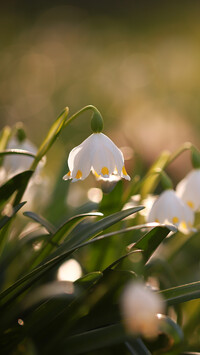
{"x": 36, "y": 191}
{"x": 2, "y": 175}
{"x": 140, "y": 305}
{"x": 97, "y": 154}
{"x": 147, "y": 203}
{"x": 168, "y": 208}
{"x": 15, "y": 164}
{"x": 188, "y": 189}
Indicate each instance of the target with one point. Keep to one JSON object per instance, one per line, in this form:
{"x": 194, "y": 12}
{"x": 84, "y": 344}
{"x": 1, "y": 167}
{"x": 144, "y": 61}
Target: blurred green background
{"x": 137, "y": 61}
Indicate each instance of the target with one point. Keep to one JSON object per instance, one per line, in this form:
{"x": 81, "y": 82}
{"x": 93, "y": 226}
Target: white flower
{"x": 140, "y": 305}
{"x": 15, "y": 164}
{"x": 188, "y": 189}
{"x": 18, "y": 163}
{"x": 2, "y": 175}
{"x": 97, "y": 154}
{"x": 36, "y": 191}
{"x": 168, "y": 208}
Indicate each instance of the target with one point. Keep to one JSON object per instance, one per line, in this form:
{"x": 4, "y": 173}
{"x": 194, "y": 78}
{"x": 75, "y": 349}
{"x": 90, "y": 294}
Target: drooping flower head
{"x": 97, "y": 154}
{"x": 140, "y": 306}
{"x": 188, "y": 189}
{"x": 169, "y": 208}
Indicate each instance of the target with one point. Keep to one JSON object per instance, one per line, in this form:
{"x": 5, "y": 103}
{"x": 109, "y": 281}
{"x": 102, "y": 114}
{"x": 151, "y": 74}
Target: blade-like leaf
{"x": 95, "y": 339}
{"x": 14, "y": 184}
{"x": 137, "y": 347}
{"x": 96, "y": 228}
{"x": 41, "y": 220}
{"x": 25, "y": 282}
{"x": 89, "y": 279}
{"x": 61, "y": 233}
{"x": 17, "y": 247}
{"x": 151, "y": 179}
{"x": 182, "y": 293}
{"x": 51, "y": 136}
{"x": 6, "y": 219}
{"x": 150, "y": 241}
{"x": 17, "y": 152}
{"x": 4, "y": 138}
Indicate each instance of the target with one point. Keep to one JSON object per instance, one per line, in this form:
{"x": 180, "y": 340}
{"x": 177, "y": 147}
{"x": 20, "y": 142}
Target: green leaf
{"x": 96, "y": 228}
{"x": 152, "y": 177}
{"x": 61, "y": 232}
{"x": 6, "y": 219}
{"x": 14, "y": 184}
{"x": 95, "y": 339}
{"x": 25, "y": 282}
{"x": 88, "y": 280}
{"x": 182, "y": 293}
{"x": 119, "y": 260}
{"x": 41, "y": 220}
{"x": 51, "y": 136}
{"x": 151, "y": 240}
{"x": 4, "y": 138}
{"x": 17, "y": 247}
{"x": 17, "y": 152}
{"x": 58, "y": 197}
{"x": 137, "y": 347}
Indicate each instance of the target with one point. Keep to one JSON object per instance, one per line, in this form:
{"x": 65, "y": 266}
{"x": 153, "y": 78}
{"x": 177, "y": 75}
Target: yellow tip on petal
{"x": 79, "y": 174}
{"x": 183, "y": 225}
{"x": 67, "y": 176}
{"x": 157, "y": 220}
{"x": 105, "y": 171}
{"x": 190, "y": 204}
{"x": 175, "y": 220}
{"x": 124, "y": 171}
{"x": 95, "y": 173}
{"x": 124, "y": 174}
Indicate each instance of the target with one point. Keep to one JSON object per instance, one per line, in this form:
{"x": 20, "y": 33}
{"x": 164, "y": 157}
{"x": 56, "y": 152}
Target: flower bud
{"x": 96, "y": 122}
{"x": 195, "y": 157}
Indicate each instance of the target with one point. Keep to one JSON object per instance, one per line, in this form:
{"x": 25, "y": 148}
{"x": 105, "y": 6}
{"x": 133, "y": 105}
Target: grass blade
{"x": 14, "y": 184}
{"x": 41, "y": 220}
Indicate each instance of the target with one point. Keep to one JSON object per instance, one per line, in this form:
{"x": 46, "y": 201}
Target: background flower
{"x": 140, "y": 305}
{"x": 188, "y": 189}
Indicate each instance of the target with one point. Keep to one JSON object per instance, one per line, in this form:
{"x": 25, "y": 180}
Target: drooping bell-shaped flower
{"x": 140, "y": 306}
{"x": 188, "y": 189}
{"x": 97, "y": 154}
{"x": 169, "y": 208}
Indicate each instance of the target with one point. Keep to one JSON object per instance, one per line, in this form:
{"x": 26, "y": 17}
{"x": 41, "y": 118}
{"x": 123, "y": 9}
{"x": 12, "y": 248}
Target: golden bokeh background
{"x": 138, "y": 62}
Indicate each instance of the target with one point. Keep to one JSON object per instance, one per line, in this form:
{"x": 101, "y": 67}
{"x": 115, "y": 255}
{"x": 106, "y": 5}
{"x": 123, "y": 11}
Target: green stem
{"x": 86, "y": 108}
{"x": 182, "y": 149}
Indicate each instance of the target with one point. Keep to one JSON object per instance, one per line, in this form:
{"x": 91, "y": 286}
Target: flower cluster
{"x": 100, "y": 155}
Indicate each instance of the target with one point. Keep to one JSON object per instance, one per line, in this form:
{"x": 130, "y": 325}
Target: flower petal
{"x": 115, "y": 151}
{"x": 79, "y": 160}
{"x": 102, "y": 160}
{"x": 168, "y": 208}
{"x": 188, "y": 189}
